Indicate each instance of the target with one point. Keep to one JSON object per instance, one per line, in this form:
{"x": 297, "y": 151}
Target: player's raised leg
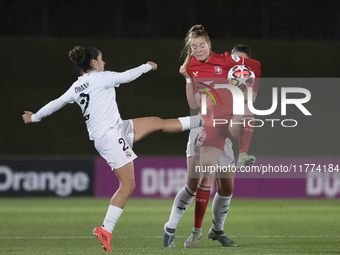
{"x": 148, "y": 125}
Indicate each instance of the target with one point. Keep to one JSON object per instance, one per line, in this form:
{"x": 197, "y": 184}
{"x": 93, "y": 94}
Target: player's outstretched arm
{"x": 27, "y": 117}
{"x": 189, "y": 88}
{"x": 134, "y": 73}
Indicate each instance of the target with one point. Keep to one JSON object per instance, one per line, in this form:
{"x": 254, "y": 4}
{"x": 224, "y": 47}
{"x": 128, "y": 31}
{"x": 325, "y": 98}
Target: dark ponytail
{"x": 82, "y": 56}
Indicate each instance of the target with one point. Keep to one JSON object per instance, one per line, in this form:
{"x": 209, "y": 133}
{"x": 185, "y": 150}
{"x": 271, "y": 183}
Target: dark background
{"x": 290, "y": 38}
{"x": 171, "y": 18}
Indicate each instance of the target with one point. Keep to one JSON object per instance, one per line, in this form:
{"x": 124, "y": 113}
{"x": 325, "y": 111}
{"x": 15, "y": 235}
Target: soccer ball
{"x": 241, "y": 76}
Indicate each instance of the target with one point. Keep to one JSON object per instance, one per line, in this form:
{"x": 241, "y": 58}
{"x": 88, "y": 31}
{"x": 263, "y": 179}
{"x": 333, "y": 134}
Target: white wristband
{"x": 188, "y": 80}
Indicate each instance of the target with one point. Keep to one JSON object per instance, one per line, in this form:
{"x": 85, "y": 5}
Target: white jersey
{"x": 94, "y": 92}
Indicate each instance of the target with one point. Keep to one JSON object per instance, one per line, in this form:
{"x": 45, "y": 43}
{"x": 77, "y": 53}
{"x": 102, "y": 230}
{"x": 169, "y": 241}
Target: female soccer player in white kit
{"x": 94, "y": 92}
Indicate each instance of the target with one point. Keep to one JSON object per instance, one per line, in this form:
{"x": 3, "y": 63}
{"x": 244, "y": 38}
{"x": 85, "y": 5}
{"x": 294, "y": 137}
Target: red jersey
{"x": 215, "y": 71}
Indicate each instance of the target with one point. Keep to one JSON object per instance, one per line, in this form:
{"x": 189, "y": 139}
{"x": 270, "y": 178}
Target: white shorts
{"x": 116, "y": 145}
{"x": 194, "y": 143}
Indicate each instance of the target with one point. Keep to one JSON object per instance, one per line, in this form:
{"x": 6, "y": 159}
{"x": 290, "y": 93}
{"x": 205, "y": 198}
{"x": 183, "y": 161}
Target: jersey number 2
{"x": 125, "y": 147}
{"x": 85, "y": 100}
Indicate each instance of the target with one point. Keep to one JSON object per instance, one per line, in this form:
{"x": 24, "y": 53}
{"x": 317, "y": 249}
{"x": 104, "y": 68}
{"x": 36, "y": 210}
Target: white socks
{"x": 190, "y": 122}
{"x": 182, "y": 201}
{"x": 111, "y": 218}
{"x": 220, "y": 207}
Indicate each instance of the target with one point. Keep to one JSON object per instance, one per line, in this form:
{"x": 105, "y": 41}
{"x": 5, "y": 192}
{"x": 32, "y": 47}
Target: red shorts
{"x": 215, "y": 136}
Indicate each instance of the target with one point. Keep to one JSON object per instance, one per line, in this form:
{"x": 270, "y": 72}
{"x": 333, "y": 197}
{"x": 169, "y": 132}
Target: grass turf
{"x": 64, "y": 225}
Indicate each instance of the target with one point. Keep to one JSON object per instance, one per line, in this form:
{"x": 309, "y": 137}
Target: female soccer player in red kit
{"x": 186, "y": 195}
{"x": 206, "y": 68}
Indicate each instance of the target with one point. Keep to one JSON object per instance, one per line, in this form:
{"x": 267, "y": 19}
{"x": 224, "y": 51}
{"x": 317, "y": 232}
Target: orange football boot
{"x": 104, "y": 238}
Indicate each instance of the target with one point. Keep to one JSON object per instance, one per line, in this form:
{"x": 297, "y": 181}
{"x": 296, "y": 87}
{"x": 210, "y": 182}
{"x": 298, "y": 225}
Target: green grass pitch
{"x": 64, "y": 226}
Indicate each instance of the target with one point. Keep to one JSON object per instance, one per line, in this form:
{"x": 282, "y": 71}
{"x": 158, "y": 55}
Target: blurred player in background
{"x": 113, "y": 138}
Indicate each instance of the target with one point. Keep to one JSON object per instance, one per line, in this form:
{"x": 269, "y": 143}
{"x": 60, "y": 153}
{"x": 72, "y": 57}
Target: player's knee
{"x": 192, "y": 183}
{"x": 226, "y": 191}
{"x": 132, "y": 186}
{"x": 206, "y": 182}
{"x": 128, "y": 186}
{"x": 157, "y": 122}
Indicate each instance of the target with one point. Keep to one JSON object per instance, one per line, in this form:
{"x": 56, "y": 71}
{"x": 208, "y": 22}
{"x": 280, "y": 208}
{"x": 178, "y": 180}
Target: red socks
{"x": 202, "y": 199}
{"x": 245, "y": 134}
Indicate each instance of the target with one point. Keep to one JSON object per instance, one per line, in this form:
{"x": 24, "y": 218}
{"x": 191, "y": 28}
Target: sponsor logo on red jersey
{"x": 235, "y": 58}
